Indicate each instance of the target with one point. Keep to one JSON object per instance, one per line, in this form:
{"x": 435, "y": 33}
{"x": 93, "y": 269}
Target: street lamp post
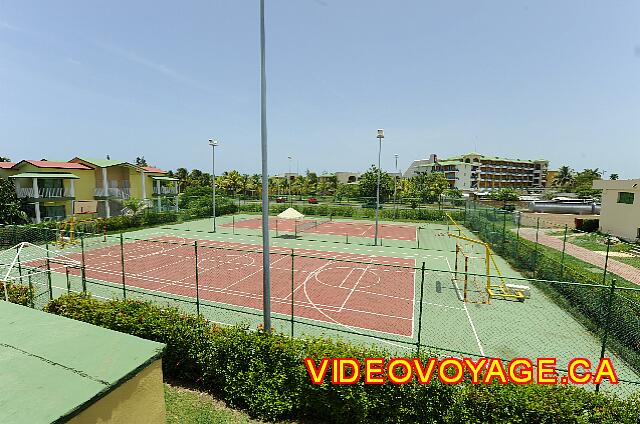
{"x": 266, "y": 276}
{"x": 395, "y": 189}
{"x": 213, "y": 144}
{"x": 289, "y": 182}
{"x": 380, "y": 136}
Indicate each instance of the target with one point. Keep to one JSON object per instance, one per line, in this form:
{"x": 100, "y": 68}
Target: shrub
{"x": 264, "y": 374}
{"x": 20, "y": 294}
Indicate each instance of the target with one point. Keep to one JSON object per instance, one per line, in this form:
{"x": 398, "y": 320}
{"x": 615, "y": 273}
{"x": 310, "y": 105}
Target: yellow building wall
{"x": 136, "y": 184}
{"x": 139, "y": 400}
{"x": 85, "y": 186}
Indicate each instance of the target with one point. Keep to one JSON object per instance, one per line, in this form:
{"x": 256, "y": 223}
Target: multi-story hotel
{"x": 476, "y": 172}
{"x": 51, "y": 188}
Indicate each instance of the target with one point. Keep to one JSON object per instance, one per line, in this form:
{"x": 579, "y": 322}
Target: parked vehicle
{"x": 281, "y": 199}
{"x": 312, "y": 200}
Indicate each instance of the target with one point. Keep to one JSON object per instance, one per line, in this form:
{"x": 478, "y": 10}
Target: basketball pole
{"x": 266, "y": 284}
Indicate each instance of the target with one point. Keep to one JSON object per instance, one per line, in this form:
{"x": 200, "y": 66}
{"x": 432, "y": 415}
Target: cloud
{"x": 6, "y": 25}
{"x": 156, "y": 67}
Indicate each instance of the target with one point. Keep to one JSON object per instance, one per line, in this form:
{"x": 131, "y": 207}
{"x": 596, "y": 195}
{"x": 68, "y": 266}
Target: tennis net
{"x": 309, "y": 224}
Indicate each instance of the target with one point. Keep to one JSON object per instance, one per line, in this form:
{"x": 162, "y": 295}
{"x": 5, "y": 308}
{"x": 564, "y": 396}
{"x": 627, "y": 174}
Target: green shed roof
{"x": 64, "y": 175}
{"x": 165, "y": 178}
{"x": 63, "y": 365}
{"x": 104, "y": 163}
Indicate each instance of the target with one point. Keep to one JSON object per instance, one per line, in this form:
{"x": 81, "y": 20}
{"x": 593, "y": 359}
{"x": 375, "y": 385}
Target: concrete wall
{"x": 139, "y": 400}
{"x": 619, "y": 219}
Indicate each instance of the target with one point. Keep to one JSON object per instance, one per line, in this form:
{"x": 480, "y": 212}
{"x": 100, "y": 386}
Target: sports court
{"x": 361, "y": 292}
{"x": 337, "y": 228}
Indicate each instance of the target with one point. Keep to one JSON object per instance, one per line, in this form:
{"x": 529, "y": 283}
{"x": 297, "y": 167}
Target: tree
{"x": 11, "y": 209}
{"x": 505, "y": 195}
{"x": 368, "y": 184}
{"x": 199, "y": 178}
{"x": 344, "y": 191}
{"x": 182, "y": 174}
{"x": 141, "y": 161}
{"x": 230, "y": 182}
{"x": 584, "y": 182}
{"x": 133, "y": 206}
{"x": 565, "y": 178}
{"x": 4, "y": 159}
{"x": 613, "y": 176}
{"x": 428, "y": 187}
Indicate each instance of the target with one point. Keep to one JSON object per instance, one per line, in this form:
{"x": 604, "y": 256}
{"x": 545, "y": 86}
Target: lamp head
{"x": 213, "y": 142}
{"x": 380, "y": 133}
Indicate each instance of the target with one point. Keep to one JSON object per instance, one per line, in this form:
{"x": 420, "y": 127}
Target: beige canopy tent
{"x": 290, "y": 214}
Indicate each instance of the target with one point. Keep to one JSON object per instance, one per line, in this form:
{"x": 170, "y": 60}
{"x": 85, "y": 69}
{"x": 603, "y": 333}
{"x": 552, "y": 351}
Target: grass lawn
{"x": 188, "y": 406}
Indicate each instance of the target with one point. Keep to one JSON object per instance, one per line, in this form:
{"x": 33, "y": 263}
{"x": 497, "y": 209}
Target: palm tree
{"x": 182, "y": 174}
{"x": 614, "y": 176}
{"x": 564, "y": 178}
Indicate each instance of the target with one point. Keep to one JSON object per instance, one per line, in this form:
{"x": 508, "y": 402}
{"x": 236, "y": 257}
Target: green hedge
{"x": 20, "y": 294}
{"x": 264, "y": 374}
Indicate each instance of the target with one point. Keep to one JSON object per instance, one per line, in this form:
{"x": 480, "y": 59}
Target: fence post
{"x": 418, "y": 236}
{"x": 195, "y": 247}
{"x": 292, "y": 290}
{"x": 606, "y": 261}
{"x": 66, "y": 271}
{"x": 124, "y": 285}
{"x": 564, "y": 245}
{"x": 49, "y": 272}
{"x": 420, "y": 307}
{"x": 535, "y": 256}
{"x": 607, "y": 324}
{"x": 519, "y": 215}
{"x": 504, "y": 229}
{"x": 347, "y": 237}
{"x": 83, "y": 271}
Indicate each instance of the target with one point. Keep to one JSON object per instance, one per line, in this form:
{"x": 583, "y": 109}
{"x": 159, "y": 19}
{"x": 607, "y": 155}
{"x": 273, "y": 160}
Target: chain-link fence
{"x": 405, "y": 304}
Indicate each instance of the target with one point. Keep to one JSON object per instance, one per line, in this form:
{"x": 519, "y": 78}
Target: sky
{"x": 549, "y": 79}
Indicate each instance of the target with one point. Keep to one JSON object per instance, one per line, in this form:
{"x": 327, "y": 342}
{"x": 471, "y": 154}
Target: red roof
{"x": 50, "y": 164}
{"x": 6, "y": 165}
{"x": 154, "y": 170}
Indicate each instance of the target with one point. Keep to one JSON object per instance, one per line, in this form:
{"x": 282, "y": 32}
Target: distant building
{"x": 620, "y": 213}
{"x": 477, "y": 172}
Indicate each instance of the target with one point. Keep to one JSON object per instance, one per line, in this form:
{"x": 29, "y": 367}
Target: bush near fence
{"x": 264, "y": 374}
{"x": 18, "y": 293}
{"x": 599, "y": 309}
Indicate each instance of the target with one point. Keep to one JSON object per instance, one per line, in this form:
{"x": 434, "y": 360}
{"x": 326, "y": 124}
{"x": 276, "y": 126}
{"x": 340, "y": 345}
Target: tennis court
{"x": 330, "y": 227}
{"x": 395, "y": 295}
{"x": 357, "y": 291}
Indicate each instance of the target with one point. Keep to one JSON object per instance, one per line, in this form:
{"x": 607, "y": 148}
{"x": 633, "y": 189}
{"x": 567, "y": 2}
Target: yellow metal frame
{"x": 500, "y": 290}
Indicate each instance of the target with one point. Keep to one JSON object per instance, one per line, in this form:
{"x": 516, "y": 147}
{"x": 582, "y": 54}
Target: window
{"x": 625, "y": 197}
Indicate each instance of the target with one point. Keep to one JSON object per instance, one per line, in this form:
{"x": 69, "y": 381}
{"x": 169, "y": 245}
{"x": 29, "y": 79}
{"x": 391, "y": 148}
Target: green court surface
{"x": 355, "y": 299}
{"x": 53, "y": 367}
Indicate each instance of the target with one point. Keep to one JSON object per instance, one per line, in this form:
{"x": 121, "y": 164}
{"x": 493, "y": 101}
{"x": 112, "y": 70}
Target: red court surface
{"x": 337, "y": 228}
{"x": 376, "y": 297}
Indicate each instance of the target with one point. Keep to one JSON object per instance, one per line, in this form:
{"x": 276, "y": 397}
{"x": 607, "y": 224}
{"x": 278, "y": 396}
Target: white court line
{"x": 353, "y": 288}
{"x": 473, "y": 327}
{"x": 345, "y": 278}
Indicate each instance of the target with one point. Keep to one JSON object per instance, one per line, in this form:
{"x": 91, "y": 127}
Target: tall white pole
{"x": 289, "y": 183}
{"x": 213, "y": 183}
{"x": 266, "y": 283}
{"x": 395, "y": 189}
{"x": 380, "y": 137}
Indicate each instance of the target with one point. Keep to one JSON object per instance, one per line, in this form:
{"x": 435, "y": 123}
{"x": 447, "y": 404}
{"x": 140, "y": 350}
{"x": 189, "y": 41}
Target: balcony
{"x": 116, "y": 192}
{"x": 44, "y": 193}
{"x": 163, "y": 191}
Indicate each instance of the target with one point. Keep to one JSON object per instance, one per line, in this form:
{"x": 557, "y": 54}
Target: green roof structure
{"x": 62, "y": 175}
{"x": 53, "y": 368}
{"x": 104, "y": 163}
{"x": 165, "y": 178}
